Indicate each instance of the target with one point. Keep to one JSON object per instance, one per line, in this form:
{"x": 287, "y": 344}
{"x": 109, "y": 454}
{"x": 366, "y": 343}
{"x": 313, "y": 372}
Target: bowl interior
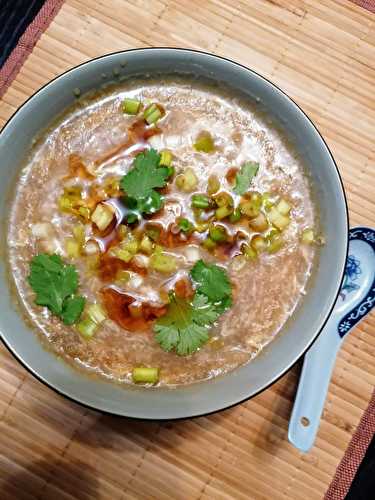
{"x": 205, "y": 397}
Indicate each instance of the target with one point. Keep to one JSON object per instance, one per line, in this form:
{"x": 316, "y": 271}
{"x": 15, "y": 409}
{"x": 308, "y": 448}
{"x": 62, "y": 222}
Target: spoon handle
{"x": 312, "y": 388}
{"x": 357, "y": 299}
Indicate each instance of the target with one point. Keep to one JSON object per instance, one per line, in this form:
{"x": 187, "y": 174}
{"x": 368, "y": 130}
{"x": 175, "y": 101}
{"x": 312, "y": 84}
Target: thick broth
{"x": 266, "y": 291}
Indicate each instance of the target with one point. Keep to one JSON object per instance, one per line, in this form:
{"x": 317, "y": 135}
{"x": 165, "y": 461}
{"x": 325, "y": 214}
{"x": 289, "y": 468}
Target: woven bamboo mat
{"x": 322, "y": 53}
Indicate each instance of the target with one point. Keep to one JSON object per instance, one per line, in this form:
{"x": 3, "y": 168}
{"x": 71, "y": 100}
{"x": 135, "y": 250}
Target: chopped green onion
{"x": 258, "y": 243}
{"x": 283, "y": 207}
{"x": 131, "y": 106}
{"x": 249, "y": 252}
{"x": 208, "y": 244}
{"x": 213, "y": 185}
{"x": 200, "y": 201}
{"x": 222, "y": 212}
{"x": 201, "y": 227}
{"x": 250, "y": 209}
{"x": 185, "y": 225}
{"x": 235, "y": 216}
{"x": 87, "y": 328}
{"x": 187, "y": 181}
{"x": 224, "y": 199}
{"x": 145, "y": 375}
{"x": 96, "y": 313}
{"x": 102, "y": 216}
{"x": 307, "y": 236}
{"x": 152, "y": 114}
{"x": 146, "y": 246}
{"x": 204, "y": 143}
{"x": 73, "y": 248}
{"x": 266, "y": 201}
{"x": 122, "y": 231}
{"x": 259, "y": 223}
{"x": 153, "y": 232}
{"x": 122, "y": 276}
{"x": 275, "y": 244}
{"x": 163, "y": 263}
{"x": 277, "y": 219}
{"x": 218, "y": 233}
{"x": 121, "y": 254}
{"x": 79, "y": 234}
{"x": 165, "y": 158}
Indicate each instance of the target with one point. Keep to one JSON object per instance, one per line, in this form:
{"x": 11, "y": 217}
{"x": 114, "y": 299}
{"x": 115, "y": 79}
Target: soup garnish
{"x": 150, "y": 248}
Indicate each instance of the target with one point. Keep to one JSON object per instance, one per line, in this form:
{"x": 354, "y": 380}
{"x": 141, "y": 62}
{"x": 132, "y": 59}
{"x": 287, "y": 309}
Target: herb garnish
{"x": 55, "y": 284}
{"x": 186, "y": 325}
{"x": 140, "y": 182}
{"x": 245, "y": 176}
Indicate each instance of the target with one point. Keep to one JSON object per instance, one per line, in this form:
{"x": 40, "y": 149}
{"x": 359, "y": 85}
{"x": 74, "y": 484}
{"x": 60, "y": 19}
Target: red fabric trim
{"x": 354, "y": 455}
{"x": 27, "y": 42}
{"x": 366, "y": 4}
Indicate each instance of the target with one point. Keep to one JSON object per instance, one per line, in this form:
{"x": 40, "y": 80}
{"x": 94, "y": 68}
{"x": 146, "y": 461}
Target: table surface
{"x": 322, "y": 53}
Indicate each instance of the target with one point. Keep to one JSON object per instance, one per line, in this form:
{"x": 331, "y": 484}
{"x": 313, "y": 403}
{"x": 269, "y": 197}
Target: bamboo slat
{"x": 322, "y": 53}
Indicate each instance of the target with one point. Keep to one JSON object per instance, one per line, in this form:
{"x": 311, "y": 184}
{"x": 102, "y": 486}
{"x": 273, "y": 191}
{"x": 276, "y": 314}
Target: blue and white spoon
{"x": 356, "y": 300}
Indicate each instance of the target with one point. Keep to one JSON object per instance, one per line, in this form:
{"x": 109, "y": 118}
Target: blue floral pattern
{"x": 352, "y": 272}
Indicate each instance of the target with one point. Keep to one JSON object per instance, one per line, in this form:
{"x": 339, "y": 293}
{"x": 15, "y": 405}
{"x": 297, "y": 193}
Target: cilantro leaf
{"x": 213, "y": 282}
{"x": 140, "y": 182}
{"x": 185, "y": 326}
{"x": 55, "y": 284}
{"x": 72, "y": 309}
{"x": 245, "y": 176}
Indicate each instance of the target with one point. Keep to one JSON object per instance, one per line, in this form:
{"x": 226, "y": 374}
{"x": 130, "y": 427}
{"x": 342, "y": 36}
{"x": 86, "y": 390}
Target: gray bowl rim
{"x": 286, "y": 369}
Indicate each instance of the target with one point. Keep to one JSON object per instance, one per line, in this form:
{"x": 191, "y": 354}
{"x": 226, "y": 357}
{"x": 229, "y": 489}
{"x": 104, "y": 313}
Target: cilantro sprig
{"x": 245, "y": 176}
{"x": 213, "y": 282}
{"x": 55, "y": 284}
{"x": 141, "y": 182}
{"x": 186, "y": 325}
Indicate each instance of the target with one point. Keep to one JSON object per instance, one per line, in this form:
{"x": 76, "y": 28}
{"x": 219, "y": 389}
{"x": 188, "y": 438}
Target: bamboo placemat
{"x": 322, "y": 53}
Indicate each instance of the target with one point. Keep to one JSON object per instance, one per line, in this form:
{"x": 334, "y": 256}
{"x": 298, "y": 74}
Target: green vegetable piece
{"x": 72, "y": 309}
{"x": 235, "y": 216}
{"x": 200, "y": 201}
{"x": 87, "y": 328}
{"x": 132, "y": 218}
{"x": 223, "y": 212}
{"x": 204, "y": 143}
{"x": 308, "y": 236}
{"x": 245, "y": 176}
{"x": 145, "y": 375}
{"x": 277, "y": 219}
{"x": 163, "y": 263}
{"x": 153, "y": 233}
{"x": 213, "y": 184}
{"x": 96, "y": 313}
{"x": 185, "y": 326}
{"x": 224, "y": 199}
{"x": 165, "y": 158}
{"x": 171, "y": 171}
{"x": 146, "y": 246}
{"x": 152, "y": 114}
{"x": 249, "y": 252}
{"x": 55, "y": 284}
{"x": 208, "y": 244}
{"x": 140, "y": 182}
{"x": 185, "y": 225}
{"x": 131, "y": 106}
{"x": 187, "y": 181}
{"x": 213, "y": 282}
{"x": 218, "y": 233}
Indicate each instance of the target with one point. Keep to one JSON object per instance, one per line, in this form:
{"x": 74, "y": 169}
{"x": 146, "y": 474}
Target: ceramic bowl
{"x": 299, "y": 333}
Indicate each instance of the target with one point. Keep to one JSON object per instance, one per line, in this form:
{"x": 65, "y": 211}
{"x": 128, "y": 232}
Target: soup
{"x": 162, "y": 232}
